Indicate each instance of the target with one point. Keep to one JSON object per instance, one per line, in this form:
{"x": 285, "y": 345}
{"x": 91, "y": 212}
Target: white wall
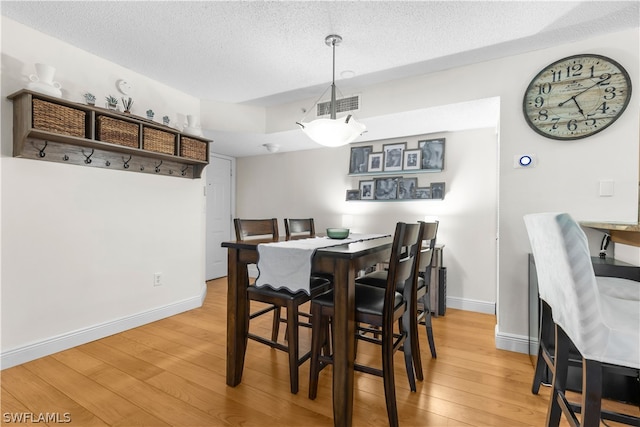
{"x": 80, "y": 245}
{"x": 565, "y": 179}
{"x": 69, "y": 271}
{"x": 313, "y": 183}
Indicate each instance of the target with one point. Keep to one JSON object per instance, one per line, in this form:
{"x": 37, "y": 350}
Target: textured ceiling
{"x": 267, "y": 53}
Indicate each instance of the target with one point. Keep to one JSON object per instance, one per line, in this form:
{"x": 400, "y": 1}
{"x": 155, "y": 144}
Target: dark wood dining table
{"x": 343, "y": 262}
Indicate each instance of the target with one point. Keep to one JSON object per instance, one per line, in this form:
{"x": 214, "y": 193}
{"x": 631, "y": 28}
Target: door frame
{"x": 232, "y": 195}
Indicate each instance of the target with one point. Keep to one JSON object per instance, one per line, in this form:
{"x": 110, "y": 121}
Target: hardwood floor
{"x": 172, "y": 372}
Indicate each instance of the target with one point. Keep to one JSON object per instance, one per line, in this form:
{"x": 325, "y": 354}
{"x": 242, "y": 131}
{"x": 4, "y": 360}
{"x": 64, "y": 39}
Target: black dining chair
{"x": 279, "y": 298}
{"x": 420, "y": 301}
{"x": 299, "y": 227}
{"x": 380, "y": 308}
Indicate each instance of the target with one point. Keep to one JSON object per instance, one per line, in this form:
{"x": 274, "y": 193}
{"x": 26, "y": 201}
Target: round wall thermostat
{"x": 524, "y": 161}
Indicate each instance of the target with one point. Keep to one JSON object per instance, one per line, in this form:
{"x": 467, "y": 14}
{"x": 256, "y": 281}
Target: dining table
{"x": 343, "y": 262}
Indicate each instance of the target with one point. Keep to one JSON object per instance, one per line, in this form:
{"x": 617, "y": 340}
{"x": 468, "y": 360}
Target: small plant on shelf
{"x": 127, "y": 103}
{"x": 90, "y": 98}
{"x": 112, "y": 102}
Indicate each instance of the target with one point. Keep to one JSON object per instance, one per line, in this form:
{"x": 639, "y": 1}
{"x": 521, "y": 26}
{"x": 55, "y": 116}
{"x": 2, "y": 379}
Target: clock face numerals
{"x": 576, "y": 97}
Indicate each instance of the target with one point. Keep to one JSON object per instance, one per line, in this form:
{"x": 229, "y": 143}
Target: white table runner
{"x": 288, "y": 264}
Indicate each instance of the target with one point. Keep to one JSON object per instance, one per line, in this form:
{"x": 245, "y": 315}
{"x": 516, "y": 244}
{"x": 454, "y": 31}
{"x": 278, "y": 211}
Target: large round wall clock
{"x": 576, "y": 97}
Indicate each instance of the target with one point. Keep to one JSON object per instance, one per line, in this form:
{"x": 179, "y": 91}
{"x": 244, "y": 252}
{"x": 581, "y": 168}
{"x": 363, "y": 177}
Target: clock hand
{"x": 573, "y": 98}
{"x": 578, "y": 105}
{"x": 581, "y": 92}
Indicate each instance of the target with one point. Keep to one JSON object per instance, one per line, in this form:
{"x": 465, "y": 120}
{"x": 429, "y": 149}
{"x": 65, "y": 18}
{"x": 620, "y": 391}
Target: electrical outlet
{"x": 157, "y": 279}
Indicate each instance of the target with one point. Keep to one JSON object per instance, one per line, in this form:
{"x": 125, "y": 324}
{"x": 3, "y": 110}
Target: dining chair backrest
{"x": 299, "y": 227}
{"x": 567, "y": 282}
{"x": 428, "y": 232}
{"x": 401, "y": 263}
{"x": 247, "y": 229}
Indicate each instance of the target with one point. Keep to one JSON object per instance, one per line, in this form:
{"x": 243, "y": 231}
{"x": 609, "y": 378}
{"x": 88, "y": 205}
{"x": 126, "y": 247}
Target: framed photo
{"x": 353, "y": 194}
{"x": 437, "y": 190}
{"x": 412, "y": 160}
{"x": 359, "y": 158}
{"x": 393, "y": 156}
{"x": 386, "y": 188}
{"x": 432, "y": 154}
{"x": 407, "y": 188}
{"x": 367, "y": 190}
{"x": 423, "y": 193}
{"x": 374, "y": 163}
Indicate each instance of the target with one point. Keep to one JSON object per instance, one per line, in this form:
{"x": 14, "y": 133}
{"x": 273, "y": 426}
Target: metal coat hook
{"x": 184, "y": 171}
{"x": 158, "y": 166}
{"x": 141, "y": 168}
{"x": 126, "y": 162}
{"x": 107, "y": 163}
{"x": 42, "y": 153}
{"x": 87, "y": 159}
{"x": 65, "y": 158}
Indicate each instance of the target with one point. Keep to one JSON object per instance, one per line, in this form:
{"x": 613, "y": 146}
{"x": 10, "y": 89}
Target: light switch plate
{"x": 606, "y": 188}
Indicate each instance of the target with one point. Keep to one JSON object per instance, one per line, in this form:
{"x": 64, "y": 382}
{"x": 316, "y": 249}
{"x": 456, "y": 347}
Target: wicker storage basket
{"x": 58, "y": 118}
{"x": 193, "y": 148}
{"x": 118, "y": 131}
{"x": 159, "y": 141}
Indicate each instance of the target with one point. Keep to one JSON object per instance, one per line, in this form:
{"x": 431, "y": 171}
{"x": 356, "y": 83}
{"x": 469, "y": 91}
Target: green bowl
{"x": 338, "y": 233}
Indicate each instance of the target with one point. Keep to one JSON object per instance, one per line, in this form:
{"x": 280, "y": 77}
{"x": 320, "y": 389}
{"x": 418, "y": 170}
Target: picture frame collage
{"x": 395, "y": 157}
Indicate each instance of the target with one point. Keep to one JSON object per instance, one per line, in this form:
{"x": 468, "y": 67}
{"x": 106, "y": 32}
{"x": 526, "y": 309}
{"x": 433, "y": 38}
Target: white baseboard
{"x": 62, "y": 342}
{"x": 516, "y": 343}
{"x": 485, "y": 307}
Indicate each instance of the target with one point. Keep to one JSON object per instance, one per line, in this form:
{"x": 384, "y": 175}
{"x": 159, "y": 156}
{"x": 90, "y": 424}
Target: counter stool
{"x": 603, "y": 328}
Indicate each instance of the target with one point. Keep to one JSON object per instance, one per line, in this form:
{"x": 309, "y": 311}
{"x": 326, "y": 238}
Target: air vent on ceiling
{"x": 351, "y": 103}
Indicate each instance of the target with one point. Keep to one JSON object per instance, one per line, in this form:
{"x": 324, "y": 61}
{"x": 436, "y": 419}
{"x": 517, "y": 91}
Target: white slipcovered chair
{"x": 604, "y": 328}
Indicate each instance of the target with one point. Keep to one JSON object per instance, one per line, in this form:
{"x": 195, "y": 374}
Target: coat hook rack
{"x": 87, "y": 159}
{"x": 158, "y": 166}
{"x": 42, "y": 153}
{"x": 126, "y": 162}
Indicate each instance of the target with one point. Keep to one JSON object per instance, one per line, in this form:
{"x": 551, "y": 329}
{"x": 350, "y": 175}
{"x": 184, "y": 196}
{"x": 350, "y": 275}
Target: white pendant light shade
{"x": 333, "y": 132}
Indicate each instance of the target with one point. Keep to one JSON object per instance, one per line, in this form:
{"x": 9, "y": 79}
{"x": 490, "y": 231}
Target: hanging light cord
{"x": 333, "y": 103}
{"x": 333, "y": 82}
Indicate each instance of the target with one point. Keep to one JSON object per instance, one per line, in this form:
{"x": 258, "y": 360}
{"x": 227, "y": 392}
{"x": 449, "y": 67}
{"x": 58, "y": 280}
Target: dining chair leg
{"x": 275, "y": 329}
{"x": 591, "y": 393}
{"x": 318, "y": 342}
{"x": 389, "y": 380}
{"x": 560, "y": 369}
{"x": 546, "y": 330}
{"x": 414, "y": 341}
{"x": 292, "y": 338}
{"x": 408, "y": 347}
{"x": 428, "y": 325}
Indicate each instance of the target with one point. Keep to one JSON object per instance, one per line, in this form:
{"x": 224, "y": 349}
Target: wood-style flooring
{"x": 172, "y": 372}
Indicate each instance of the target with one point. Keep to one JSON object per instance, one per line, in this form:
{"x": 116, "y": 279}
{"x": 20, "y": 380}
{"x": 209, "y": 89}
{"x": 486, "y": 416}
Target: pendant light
{"x": 333, "y": 132}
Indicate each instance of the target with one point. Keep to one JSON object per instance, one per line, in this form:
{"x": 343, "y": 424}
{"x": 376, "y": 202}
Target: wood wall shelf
{"x": 151, "y": 147}
{"x": 400, "y": 172}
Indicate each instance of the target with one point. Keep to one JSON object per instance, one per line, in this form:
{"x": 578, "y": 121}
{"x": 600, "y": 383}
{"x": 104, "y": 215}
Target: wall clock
{"x": 576, "y": 97}
{"x": 124, "y": 87}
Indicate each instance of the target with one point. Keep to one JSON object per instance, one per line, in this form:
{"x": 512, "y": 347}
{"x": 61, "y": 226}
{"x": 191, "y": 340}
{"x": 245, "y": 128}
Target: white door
{"x": 218, "y": 216}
